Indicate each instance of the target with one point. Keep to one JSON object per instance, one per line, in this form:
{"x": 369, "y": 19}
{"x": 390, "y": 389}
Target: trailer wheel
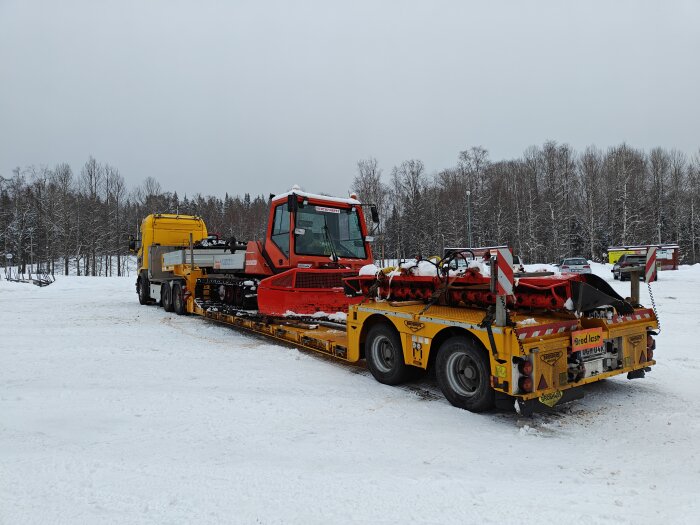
{"x": 144, "y": 290}
{"x": 177, "y": 299}
{"x": 166, "y": 296}
{"x": 384, "y": 356}
{"x": 463, "y": 374}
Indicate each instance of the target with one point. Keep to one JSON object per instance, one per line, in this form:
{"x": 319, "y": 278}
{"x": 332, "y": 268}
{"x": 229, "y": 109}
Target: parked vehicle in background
{"x": 575, "y": 265}
{"x": 518, "y": 266}
{"x": 626, "y": 261}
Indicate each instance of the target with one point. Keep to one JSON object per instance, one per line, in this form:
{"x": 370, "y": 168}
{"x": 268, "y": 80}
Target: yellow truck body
{"x": 167, "y": 229}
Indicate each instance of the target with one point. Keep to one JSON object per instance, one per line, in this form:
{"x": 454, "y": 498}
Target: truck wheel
{"x": 384, "y": 355}
{"x": 177, "y": 299}
{"x": 166, "y": 297}
{"x": 144, "y": 290}
{"x": 463, "y": 374}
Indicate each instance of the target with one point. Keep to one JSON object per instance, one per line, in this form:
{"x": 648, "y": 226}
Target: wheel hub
{"x": 462, "y": 374}
{"x": 384, "y": 353}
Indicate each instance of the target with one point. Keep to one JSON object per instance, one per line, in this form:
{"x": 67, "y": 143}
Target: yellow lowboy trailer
{"x": 541, "y": 360}
{"x": 526, "y": 361}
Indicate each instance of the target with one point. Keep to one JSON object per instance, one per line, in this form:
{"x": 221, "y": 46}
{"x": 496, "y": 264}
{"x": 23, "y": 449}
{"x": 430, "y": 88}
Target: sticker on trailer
{"x": 552, "y": 398}
{"x": 551, "y": 357}
{"x": 323, "y": 209}
{"x": 585, "y": 339}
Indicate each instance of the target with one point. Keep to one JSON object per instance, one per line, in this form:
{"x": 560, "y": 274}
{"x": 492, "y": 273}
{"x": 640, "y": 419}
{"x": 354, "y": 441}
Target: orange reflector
{"x": 542, "y": 385}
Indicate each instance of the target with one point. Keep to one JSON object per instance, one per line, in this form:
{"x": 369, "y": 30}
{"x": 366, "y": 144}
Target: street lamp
{"x": 469, "y": 218}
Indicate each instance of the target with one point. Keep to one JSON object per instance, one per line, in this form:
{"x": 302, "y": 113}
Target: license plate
{"x": 590, "y": 354}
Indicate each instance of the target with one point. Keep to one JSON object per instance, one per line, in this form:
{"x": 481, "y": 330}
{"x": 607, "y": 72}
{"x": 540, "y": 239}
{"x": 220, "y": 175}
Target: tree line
{"x": 79, "y": 223}
{"x": 550, "y": 203}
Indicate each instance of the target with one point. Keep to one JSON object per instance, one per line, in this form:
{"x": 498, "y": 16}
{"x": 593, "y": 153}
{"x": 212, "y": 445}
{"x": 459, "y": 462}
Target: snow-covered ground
{"x": 111, "y": 412}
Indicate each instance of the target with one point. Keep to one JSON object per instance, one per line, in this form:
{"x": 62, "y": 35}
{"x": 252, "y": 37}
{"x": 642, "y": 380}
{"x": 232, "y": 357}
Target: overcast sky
{"x": 237, "y": 97}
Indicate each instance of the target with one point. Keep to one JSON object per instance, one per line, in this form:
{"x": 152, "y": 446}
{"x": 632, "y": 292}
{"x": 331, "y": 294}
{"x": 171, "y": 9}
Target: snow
{"x": 528, "y": 321}
{"x": 338, "y": 317}
{"x": 112, "y": 412}
{"x": 296, "y": 190}
{"x": 369, "y": 269}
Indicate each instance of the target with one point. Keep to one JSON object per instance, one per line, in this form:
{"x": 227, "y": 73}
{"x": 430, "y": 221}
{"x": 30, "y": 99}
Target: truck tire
{"x": 166, "y": 297}
{"x": 463, "y": 374}
{"x": 143, "y": 287}
{"x": 178, "y": 300}
{"x": 384, "y": 355}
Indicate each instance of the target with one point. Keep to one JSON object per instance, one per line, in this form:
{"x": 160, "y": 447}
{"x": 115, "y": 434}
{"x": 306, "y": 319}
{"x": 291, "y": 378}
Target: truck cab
{"x": 162, "y": 233}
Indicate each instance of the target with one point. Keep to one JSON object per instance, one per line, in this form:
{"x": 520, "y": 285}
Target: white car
{"x": 575, "y": 265}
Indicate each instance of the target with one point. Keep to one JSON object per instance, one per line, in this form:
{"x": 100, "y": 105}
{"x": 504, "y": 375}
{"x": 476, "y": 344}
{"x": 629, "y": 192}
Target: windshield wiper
{"x": 329, "y": 240}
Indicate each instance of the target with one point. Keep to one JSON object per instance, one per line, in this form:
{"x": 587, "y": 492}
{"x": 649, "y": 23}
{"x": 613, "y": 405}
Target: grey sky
{"x": 256, "y": 96}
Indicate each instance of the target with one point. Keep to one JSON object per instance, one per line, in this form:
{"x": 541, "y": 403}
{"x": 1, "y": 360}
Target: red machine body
{"x": 312, "y": 243}
{"x": 305, "y": 291}
{"x": 553, "y": 292}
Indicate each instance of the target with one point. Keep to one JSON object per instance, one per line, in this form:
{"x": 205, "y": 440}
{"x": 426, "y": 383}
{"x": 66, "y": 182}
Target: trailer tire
{"x": 177, "y": 299}
{"x": 463, "y": 374}
{"x": 166, "y": 296}
{"x": 143, "y": 287}
{"x": 384, "y": 355}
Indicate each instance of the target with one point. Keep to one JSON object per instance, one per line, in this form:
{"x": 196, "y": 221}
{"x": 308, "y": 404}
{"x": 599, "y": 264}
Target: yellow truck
{"x": 537, "y": 357}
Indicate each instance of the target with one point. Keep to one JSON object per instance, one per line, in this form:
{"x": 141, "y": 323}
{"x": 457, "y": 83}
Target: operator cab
{"x": 317, "y": 231}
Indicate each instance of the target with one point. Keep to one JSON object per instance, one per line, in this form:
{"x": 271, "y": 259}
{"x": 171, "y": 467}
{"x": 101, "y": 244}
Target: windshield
{"x": 324, "y": 230}
{"x": 575, "y": 261}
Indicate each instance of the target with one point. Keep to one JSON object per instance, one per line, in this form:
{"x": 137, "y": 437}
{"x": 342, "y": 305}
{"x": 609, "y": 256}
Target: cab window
{"x": 280, "y": 229}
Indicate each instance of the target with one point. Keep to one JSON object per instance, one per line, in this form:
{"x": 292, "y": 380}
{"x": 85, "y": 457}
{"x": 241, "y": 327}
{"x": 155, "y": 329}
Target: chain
{"x": 513, "y": 325}
{"x": 653, "y": 305}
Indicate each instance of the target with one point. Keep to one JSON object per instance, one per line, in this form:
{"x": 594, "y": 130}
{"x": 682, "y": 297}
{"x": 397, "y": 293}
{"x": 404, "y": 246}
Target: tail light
{"x": 586, "y": 265}
{"x": 564, "y": 267}
{"x": 525, "y": 384}
{"x": 525, "y": 367}
{"x": 525, "y": 380}
{"x": 651, "y": 346}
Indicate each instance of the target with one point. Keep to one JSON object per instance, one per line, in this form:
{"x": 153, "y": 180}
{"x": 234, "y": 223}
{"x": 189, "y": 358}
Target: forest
{"x": 550, "y": 203}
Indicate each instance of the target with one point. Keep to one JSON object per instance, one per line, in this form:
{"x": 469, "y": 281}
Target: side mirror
{"x": 292, "y": 203}
{"x": 375, "y": 214}
{"x": 132, "y": 244}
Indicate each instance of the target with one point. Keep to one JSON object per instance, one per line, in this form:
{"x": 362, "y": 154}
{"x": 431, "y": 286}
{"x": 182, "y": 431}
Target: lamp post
{"x": 469, "y": 218}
